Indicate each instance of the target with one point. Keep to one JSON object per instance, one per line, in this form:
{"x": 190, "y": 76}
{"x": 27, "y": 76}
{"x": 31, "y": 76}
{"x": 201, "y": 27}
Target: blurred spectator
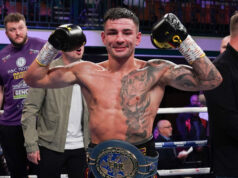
{"x": 155, "y": 133}
{"x": 189, "y": 125}
{"x": 3, "y": 165}
{"x": 203, "y": 115}
{"x": 192, "y": 127}
{"x": 3, "y": 9}
{"x": 33, "y": 9}
{"x": 137, "y": 3}
{"x": 168, "y": 157}
{"x": 224, "y": 43}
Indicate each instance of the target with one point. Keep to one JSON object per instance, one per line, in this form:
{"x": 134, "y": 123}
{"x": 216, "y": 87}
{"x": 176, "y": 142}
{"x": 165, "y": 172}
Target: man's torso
{"x": 123, "y": 105}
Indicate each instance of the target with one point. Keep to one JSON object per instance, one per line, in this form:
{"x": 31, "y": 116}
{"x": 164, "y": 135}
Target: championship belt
{"x": 120, "y": 159}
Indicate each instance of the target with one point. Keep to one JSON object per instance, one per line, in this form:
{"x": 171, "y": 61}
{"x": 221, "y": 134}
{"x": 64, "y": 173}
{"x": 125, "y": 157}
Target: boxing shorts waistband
{"x": 116, "y": 158}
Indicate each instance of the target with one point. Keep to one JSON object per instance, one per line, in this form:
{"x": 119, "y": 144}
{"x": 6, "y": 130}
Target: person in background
{"x": 204, "y": 115}
{"x": 192, "y": 127}
{"x": 155, "y": 133}
{"x": 189, "y": 125}
{"x": 224, "y": 43}
{"x": 123, "y": 93}
{"x": 222, "y": 104}
{"x": 61, "y": 118}
{"x": 168, "y": 157}
{"x": 15, "y": 59}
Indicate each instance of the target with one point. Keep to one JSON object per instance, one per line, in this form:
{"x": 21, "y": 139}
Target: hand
{"x": 182, "y": 155}
{"x": 34, "y": 157}
{"x": 67, "y": 37}
{"x": 168, "y": 32}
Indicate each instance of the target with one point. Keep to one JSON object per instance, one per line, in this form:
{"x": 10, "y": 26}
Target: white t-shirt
{"x": 74, "y": 139}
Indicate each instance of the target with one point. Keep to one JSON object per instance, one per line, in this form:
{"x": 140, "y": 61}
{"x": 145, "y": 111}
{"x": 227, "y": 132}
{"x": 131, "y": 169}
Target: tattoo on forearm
{"x": 203, "y": 75}
{"x": 208, "y": 74}
{"x": 212, "y": 73}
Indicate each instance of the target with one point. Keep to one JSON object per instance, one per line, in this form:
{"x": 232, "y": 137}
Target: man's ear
{"x": 138, "y": 38}
{"x": 103, "y": 36}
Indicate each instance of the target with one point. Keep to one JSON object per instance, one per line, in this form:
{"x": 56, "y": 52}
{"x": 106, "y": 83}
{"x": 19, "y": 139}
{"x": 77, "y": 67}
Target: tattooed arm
{"x": 202, "y": 75}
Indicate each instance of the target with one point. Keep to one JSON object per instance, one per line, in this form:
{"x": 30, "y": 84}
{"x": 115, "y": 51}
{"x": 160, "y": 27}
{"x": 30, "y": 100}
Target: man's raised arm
{"x": 169, "y": 32}
{"x": 66, "y": 38}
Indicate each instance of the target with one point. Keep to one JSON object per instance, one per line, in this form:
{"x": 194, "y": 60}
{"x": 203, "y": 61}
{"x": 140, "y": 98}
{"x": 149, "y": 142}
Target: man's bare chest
{"x": 131, "y": 89}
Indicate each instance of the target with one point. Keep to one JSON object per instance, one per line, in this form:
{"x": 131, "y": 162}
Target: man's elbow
{"x": 220, "y": 80}
{"x": 217, "y": 81}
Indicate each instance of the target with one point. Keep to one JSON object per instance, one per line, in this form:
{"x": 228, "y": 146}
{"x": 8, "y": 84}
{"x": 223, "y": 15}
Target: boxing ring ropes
{"x": 184, "y": 171}
{"x": 173, "y": 172}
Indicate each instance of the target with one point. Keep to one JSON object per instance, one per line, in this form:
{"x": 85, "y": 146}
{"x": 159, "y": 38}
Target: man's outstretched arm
{"x": 43, "y": 77}
{"x": 65, "y": 38}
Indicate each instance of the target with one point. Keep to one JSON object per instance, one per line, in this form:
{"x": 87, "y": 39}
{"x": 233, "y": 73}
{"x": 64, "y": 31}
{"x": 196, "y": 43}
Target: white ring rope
{"x": 187, "y": 171}
{"x": 181, "y": 110}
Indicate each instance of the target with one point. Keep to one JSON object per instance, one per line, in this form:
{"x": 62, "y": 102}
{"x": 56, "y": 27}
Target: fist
{"x": 169, "y": 32}
{"x": 67, "y": 37}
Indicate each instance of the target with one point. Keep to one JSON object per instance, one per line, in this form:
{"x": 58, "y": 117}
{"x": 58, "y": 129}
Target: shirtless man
{"x": 123, "y": 93}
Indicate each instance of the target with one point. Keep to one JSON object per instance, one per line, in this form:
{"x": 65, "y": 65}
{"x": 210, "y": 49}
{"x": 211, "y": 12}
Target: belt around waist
{"x": 116, "y": 158}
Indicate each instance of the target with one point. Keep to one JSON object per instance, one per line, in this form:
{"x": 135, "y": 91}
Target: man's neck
{"x": 234, "y": 42}
{"x": 122, "y": 65}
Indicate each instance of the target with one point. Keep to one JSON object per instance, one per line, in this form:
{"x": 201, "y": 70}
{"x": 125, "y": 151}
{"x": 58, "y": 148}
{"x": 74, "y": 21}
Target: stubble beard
{"x": 18, "y": 45}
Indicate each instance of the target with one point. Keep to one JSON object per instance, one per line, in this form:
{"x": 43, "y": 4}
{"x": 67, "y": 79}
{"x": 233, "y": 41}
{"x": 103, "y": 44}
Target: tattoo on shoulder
{"x": 135, "y": 99}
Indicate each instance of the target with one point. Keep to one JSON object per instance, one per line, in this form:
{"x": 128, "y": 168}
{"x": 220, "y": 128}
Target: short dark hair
{"x": 118, "y": 13}
{"x": 14, "y": 17}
